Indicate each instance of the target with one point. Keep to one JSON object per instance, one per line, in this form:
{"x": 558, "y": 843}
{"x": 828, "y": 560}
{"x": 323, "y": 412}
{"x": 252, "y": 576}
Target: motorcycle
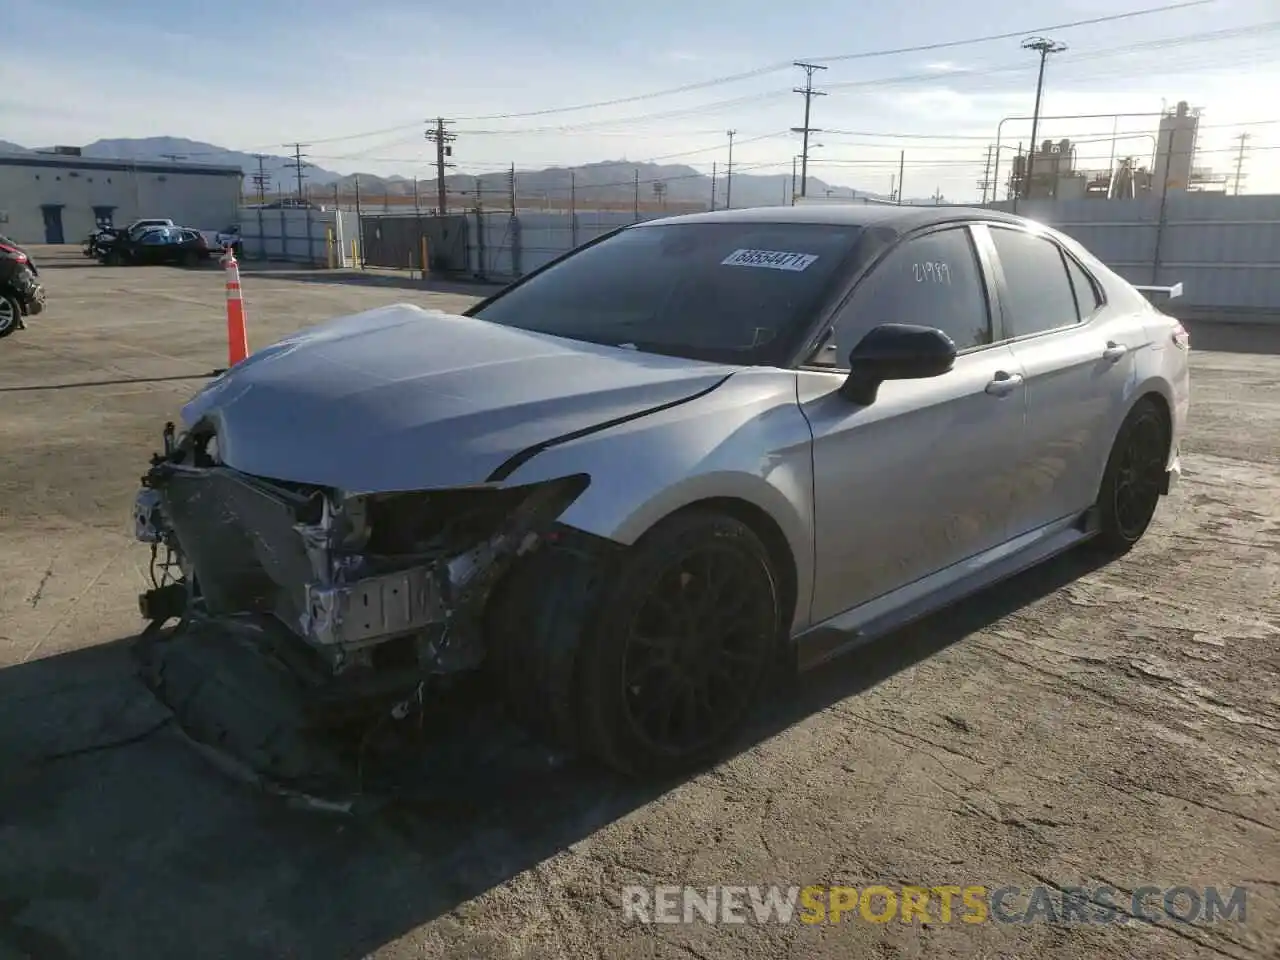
{"x": 21, "y": 294}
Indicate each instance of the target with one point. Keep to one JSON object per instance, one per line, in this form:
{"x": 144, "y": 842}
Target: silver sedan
{"x": 630, "y": 485}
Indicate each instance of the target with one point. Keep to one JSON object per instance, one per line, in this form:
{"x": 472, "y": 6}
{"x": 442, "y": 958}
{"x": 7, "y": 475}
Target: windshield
{"x": 725, "y": 292}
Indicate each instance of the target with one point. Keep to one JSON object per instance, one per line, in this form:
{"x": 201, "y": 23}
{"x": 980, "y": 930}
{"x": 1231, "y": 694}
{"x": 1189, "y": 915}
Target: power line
{"x": 809, "y": 93}
{"x": 875, "y": 82}
{"x": 861, "y": 55}
{"x": 781, "y": 66}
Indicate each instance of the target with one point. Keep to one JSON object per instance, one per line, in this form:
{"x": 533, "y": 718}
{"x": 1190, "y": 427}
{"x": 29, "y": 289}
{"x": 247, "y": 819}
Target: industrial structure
{"x": 60, "y": 196}
{"x": 1054, "y": 173}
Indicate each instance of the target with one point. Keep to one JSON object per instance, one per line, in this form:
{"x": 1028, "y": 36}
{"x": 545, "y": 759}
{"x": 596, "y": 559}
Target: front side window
{"x": 1038, "y": 295}
{"x": 724, "y": 292}
{"x": 934, "y": 280}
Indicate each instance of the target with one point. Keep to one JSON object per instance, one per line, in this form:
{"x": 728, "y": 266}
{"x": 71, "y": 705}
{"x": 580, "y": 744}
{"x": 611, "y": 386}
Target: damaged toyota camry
{"x": 632, "y": 485}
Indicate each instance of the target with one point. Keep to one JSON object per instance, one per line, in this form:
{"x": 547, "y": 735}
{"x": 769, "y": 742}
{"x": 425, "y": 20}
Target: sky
{"x": 356, "y": 82}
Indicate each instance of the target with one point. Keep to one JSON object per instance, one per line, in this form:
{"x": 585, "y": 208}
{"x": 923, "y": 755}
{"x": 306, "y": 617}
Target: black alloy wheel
{"x": 1132, "y": 485}
{"x": 682, "y": 645}
{"x": 695, "y": 648}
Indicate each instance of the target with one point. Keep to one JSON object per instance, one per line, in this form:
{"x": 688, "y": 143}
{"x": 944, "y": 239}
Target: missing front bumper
{"x": 314, "y": 560}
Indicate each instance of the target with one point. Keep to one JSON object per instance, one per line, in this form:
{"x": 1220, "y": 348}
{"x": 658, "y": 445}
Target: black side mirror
{"x": 896, "y": 351}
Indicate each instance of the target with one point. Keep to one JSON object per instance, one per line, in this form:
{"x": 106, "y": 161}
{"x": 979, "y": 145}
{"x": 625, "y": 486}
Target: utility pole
{"x": 260, "y": 179}
{"x": 573, "y": 209}
{"x": 793, "y": 180}
{"x": 902, "y": 170}
{"x": 809, "y": 93}
{"x": 511, "y": 189}
{"x": 986, "y": 175}
{"x": 1243, "y": 138}
{"x": 298, "y": 164}
{"x": 444, "y": 149}
{"x": 637, "y": 197}
{"x": 1044, "y": 47}
{"x": 728, "y": 174}
{"x": 713, "y": 186}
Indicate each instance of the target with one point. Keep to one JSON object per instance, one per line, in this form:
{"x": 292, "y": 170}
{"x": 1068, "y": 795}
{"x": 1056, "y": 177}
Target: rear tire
{"x": 1132, "y": 482}
{"x": 10, "y": 316}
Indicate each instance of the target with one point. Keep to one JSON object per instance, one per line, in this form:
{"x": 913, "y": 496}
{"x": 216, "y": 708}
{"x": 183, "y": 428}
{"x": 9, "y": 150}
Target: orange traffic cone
{"x": 237, "y": 330}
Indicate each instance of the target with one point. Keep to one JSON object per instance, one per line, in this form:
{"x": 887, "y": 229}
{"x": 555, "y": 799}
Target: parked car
{"x": 156, "y": 245}
{"x": 138, "y": 225}
{"x": 628, "y": 484}
{"x": 224, "y": 239}
{"x": 21, "y": 294}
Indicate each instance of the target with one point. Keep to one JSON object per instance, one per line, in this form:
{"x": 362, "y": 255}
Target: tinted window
{"x": 1086, "y": 293}
{"x": 1039, "y": 293}
{"x": 730, "y": 292}
{"x": 934, "y": 280}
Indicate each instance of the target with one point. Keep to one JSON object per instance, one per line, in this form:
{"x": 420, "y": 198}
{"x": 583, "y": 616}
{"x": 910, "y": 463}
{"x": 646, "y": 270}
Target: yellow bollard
{"x": 328, "y": 245}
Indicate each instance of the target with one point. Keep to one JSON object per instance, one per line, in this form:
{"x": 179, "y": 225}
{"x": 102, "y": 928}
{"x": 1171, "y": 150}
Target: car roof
{"x": 901, "y": 219}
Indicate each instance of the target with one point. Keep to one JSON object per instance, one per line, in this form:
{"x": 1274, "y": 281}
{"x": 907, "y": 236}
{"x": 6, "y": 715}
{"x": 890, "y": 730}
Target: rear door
{"x": 1079, "y": 363}
{"x": 918, "y": 480}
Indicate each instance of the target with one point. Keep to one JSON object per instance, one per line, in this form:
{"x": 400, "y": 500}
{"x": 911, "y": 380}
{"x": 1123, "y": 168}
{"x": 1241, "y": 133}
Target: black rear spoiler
{"x": 1151, "y": 292}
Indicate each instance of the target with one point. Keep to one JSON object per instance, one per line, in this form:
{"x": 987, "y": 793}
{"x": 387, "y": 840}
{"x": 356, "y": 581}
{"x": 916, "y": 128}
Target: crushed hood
{"x": 401, "y": 398}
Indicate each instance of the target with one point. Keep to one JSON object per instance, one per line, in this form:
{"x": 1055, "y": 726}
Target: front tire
{"x": 10, "y": 316}
{"x": 683, "y": 637}
{"x": 1132, "y": 483}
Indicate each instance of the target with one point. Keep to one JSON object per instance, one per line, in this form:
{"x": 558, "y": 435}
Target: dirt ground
{"x": 1081, "y": 725}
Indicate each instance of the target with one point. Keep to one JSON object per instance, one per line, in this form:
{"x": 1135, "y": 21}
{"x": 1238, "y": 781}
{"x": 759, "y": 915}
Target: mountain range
{"x": 613, "y": 181}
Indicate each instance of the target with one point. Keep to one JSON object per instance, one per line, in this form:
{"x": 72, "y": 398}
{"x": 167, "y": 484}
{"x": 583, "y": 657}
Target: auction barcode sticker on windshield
{"x": 770, "y": 259}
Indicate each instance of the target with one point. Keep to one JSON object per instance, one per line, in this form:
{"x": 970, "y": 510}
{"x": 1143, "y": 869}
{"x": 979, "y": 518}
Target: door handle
{"x": 1114, "y": 351}
{"x": 1003, "y": 384}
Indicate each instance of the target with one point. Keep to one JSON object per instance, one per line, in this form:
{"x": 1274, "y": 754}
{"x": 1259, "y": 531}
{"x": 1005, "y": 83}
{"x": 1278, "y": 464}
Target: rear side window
{"x": 1086, "y": 293}
{"x": 1038, "y": 295}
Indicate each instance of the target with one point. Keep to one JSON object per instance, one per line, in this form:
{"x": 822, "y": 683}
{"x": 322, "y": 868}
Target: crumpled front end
{"x": 358, "y": 600}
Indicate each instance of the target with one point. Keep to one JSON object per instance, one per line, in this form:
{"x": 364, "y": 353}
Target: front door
{"x": 1079, "y": 366}
{"x": 920, "y": 479}
{"x": 52, "y": 223}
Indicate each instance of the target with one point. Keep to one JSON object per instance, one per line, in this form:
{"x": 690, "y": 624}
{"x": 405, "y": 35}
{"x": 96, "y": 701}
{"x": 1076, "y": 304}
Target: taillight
{"x": 9, "y": 253}
{"x": 1181, "y": 338}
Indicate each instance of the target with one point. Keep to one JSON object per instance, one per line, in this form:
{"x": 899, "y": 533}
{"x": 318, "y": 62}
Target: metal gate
{"x": 395, "y": 241}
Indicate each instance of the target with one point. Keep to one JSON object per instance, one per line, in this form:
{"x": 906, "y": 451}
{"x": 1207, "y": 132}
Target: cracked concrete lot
{"x": 1081, "y": 725}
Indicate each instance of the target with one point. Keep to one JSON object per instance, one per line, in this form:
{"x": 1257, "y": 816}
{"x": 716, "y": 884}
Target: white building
{"x": 60, "y": 197}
